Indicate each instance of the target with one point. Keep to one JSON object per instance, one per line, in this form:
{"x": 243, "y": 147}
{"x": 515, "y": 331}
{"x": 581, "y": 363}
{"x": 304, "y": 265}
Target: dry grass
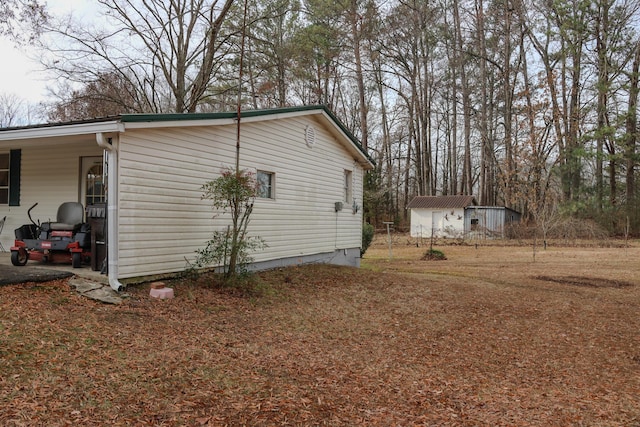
{"x": 486, "y": 337}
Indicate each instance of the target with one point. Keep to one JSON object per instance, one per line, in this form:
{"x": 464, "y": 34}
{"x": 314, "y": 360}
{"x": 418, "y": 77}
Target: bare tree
{"x": 168, "y": 51}
{"x": 510, "y": 100}
{"x": 11, "y": 108}
{"x": 108, "y": 95}
{"x": 358, "y": 22}
{"x": 16, "y": 111}
{"x": 271, "y": 51}
{"x": 21, "y": 20}
{"x": 631, "y": 124}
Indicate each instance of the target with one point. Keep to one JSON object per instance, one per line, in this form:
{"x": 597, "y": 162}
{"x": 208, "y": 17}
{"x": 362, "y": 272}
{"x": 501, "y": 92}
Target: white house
{"x": 145, "y": 173}
{"x": 439, "y": 216}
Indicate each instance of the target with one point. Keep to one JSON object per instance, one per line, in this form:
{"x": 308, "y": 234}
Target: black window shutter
{"x": 14, "y": 177}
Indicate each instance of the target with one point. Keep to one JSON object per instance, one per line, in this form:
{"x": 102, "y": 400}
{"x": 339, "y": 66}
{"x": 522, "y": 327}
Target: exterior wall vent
{"x": 310, "y": 136}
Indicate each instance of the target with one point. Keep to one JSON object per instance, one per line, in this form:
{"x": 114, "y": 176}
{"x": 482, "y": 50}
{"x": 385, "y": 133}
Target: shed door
{"x": 436, "y": 222}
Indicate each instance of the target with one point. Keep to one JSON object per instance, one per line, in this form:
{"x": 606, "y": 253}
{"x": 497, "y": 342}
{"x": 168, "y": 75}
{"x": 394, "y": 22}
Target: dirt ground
{"x": 488, "y": 337}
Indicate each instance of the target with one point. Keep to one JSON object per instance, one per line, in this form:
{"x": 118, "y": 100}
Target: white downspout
{"x": 110, "y": 145}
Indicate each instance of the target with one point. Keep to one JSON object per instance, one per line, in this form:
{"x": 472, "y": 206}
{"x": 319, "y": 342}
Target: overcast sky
{"x": 20, "y": 74}
{"x": 17, "y": 76}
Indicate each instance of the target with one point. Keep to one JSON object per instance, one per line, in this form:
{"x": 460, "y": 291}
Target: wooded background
{"x": 532, "y": 105}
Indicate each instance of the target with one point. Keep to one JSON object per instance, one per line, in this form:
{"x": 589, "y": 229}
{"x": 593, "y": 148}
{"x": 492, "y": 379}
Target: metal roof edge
{"x": 59, "y": 124}
{"x": 349, "y": 136}
{"x": 492, "y": 207}
{"x": 60, "y": 129}
{"x": 115, "y": 124}
{"x": 161, "y": 117}
{"x": 195, "y": 117}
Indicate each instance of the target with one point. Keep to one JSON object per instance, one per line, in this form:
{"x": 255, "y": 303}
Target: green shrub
{"x": 367, "y": 237}
{"x": 434, "y": 255}
{"x": 233, "y": 192}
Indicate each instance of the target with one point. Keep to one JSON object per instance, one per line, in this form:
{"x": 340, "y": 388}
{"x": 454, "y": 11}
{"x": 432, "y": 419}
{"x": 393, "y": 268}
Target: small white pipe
{"x": 110, "y": 145}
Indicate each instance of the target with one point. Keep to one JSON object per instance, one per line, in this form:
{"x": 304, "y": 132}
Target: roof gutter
{"x": 110, "y": 145}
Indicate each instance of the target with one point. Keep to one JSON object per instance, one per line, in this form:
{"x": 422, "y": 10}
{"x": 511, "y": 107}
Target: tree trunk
{"x": 486, "y": 154}
{"x": 355, "y": 34}
{"x": 631, "y": 141}
{"x": 508, "y": 106}
{"x": 602, "y": 19}
{"x": 466, "y": 184}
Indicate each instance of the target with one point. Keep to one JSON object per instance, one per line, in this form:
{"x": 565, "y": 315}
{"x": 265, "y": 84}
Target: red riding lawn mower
{"x": 68, "y": 240}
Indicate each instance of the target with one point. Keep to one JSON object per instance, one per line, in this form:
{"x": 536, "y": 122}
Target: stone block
{"x": 162, "y": 293}
{"x": 157, "y": 285}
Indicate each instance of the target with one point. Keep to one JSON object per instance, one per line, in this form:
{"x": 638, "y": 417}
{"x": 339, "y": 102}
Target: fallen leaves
{"x": 471, "y": 343}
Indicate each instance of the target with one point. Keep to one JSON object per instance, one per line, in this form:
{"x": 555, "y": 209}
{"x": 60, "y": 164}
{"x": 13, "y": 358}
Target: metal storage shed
{"x": 489, "y": 222}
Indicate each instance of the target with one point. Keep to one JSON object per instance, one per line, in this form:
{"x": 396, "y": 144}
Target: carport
{"x": 49, "y": 165}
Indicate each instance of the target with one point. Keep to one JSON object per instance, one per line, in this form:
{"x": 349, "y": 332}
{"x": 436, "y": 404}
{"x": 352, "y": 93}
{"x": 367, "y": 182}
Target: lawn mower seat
{"x": 69, "y": 217}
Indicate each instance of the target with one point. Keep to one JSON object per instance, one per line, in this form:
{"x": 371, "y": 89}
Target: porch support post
{"x": 110, "y": 145}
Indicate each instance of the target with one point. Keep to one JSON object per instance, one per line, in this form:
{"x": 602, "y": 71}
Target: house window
{"x": 266, "y": 181}
{"x": 4, "y": 178}
{"x": 474, "y": 224}
{"x": 95, "y": 186}
{"x": 348, "y": 190}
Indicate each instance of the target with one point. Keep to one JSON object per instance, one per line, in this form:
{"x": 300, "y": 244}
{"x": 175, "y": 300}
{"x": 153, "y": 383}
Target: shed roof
{"x": 493, "y": 208}
{"x": 441, "y": 202}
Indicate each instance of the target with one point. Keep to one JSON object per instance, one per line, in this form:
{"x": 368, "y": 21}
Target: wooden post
{"x": 389, "y": 224}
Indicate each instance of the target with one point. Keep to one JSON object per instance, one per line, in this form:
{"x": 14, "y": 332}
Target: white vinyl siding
{"x": 163, "y": 220}
{"x": 51, "y": 175}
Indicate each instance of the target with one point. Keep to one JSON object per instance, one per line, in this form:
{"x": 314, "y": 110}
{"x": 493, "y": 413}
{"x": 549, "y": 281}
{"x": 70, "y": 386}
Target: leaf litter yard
{"x": 485, "y": 338}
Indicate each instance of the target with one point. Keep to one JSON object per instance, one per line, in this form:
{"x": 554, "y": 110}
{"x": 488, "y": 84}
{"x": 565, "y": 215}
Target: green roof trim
{"x": 177, "y": 117}
{"x": 167, "y": 117}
